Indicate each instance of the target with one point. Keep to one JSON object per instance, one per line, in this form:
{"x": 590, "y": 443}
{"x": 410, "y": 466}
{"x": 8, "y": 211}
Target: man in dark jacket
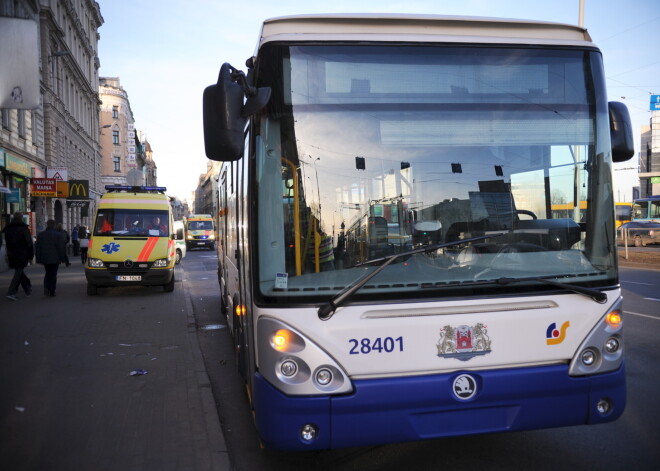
{"x": 51, "y": 251}
{"x": 20, "y": 251}
{"x": 60, "y": 229}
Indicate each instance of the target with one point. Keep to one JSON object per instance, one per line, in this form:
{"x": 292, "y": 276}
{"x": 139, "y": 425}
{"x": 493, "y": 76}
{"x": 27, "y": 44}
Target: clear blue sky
{"x": 167, "y": 51}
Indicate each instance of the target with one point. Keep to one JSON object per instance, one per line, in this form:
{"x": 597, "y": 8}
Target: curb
{"x": 219, "y": 456}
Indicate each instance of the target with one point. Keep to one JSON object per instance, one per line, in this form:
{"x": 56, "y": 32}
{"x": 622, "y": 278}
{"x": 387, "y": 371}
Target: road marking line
{"x": 642, "y": 315}
{"x": 638, "y": 283}
{"x": 652, "y": 299}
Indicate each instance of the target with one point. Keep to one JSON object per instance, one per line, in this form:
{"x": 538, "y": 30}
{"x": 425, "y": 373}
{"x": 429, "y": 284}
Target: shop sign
{"x": 18, "y": 166}
{"x": 78, "y": 190}
{"x": 43, "y": 187}
{"x": 62, "y": 189}
{"x": 14, "y": 196}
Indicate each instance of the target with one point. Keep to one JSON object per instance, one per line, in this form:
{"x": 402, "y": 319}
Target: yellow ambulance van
{"x": 200, "y": 231}
{"x": 133, "y": 240}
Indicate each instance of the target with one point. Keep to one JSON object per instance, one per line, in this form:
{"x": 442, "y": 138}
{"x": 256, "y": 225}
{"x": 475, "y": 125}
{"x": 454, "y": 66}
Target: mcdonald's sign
{"x": 78, "y": 190}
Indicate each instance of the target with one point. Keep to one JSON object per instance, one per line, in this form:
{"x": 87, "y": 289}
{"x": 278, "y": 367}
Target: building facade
{"x": 60, "y": 137}
{"x": 649, "y": 158}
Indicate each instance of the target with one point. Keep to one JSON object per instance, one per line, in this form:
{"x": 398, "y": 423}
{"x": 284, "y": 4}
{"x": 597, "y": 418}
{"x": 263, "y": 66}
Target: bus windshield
{"x": 367, "y": 151}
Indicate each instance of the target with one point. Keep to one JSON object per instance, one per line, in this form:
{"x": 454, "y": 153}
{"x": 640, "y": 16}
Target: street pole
{"x": 581, "y": 15}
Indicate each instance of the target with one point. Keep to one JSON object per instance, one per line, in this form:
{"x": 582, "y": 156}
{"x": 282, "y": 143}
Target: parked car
{"x": 640, "y": 233}
{"x": 180, "y": 241}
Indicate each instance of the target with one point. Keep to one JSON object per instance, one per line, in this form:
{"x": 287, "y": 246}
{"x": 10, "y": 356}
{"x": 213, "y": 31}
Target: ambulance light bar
{"x": 136, "y": 189}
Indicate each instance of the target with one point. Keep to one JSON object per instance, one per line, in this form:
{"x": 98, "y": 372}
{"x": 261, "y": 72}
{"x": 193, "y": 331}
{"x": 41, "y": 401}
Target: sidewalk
{"x": 69, "y": 400}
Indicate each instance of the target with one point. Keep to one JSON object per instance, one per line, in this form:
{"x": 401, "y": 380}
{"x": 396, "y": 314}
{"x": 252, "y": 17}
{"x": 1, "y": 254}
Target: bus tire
{"x": 92, "y": 290}
{"x": 238, "y": 347}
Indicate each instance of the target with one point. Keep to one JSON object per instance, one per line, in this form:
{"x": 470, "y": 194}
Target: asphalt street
{"x": 108, "y": 382}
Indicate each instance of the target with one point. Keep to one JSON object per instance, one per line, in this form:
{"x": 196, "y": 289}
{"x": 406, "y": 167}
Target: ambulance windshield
{"x": 132, "y": 222}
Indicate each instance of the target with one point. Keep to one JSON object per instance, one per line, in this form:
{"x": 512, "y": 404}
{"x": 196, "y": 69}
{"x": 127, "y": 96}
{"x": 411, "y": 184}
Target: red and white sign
{"x": 58, "y": 173}
{"x": 43, "y": 187}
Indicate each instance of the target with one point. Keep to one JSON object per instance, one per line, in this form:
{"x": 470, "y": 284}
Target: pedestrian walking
{"x": 20, "y": 251}
{"x": 84, "y": 243}
{"x": 51, "y": 251}
{"x": 61, "y": 230}
{"x": 75, "y": 241}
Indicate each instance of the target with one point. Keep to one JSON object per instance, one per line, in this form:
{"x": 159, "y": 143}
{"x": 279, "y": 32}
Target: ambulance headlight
{"x": 189, "y": 236}
{"x": 211, "y": 236}
{"x": 95, "y": 263}
{"x": 160, "y": 263}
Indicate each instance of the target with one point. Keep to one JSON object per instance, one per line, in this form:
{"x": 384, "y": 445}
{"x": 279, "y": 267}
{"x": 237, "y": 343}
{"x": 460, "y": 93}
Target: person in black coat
{"x": 51, "y": 251}
{"x": 20, "y": 251}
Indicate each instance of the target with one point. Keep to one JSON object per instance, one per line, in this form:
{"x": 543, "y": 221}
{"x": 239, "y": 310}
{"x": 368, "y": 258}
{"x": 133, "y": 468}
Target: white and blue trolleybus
{"x": 390, "y": 265}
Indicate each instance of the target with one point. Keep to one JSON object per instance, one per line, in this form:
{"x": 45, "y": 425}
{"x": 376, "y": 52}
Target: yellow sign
{"x": 62, "y": 189}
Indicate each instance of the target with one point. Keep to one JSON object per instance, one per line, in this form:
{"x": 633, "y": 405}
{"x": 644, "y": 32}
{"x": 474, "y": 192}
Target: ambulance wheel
{"x": 92, "y": 290}
{"x": 179, "y": 256}
{"x": 169, "y": 287}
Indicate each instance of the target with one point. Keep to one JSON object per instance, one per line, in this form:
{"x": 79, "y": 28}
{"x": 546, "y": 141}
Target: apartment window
{"x": 115, "y": 137}
{"x": 117, "y": 163}
{"x": 21, "y": 123}
{"x": 5, "y": 118}
{"x": 115, "y": 112}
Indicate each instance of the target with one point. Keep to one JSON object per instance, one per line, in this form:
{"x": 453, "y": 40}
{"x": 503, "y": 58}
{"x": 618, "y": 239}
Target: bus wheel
{"x": 169, "y": 287}
{"x": 238, "y": 346}
{"x": 92, "y": 290}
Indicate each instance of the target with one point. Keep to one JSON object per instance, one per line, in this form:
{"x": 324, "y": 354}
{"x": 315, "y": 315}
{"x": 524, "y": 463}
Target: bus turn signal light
{"x": 281, "y": 339}
{"x": 613, "y": 319}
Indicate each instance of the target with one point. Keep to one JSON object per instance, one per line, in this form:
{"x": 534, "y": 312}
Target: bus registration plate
{"x": 129, "y": 278}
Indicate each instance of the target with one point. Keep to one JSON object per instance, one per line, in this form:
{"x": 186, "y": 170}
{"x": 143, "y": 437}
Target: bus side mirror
{"x": 225, "y": 114}
{"x": 623, "y": 147}
{"x": 223, "y": 120}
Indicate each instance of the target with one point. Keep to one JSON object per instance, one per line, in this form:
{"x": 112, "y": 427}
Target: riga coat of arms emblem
{"x": 463, "y": 342}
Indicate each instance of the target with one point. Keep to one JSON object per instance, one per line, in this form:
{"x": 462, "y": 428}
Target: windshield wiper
{"x": 594, "y": 294}
{"x": 326, "y": 311}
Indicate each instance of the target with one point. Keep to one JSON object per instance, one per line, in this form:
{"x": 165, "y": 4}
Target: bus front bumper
{"x": 392, "y": 410}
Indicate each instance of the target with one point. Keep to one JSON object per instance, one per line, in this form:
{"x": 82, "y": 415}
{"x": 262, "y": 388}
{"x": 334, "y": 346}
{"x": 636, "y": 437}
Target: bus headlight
{"x": 588, "y": 357}
{"x": 289, "y": 368}
{"x": 612, "y": 345}
{"x": 294, "y": 364}
{"x": 602, "y": 350}
{"x": 323, "y": 376}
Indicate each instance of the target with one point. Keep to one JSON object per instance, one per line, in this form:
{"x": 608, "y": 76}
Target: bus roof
{"x": 420, "y": 28}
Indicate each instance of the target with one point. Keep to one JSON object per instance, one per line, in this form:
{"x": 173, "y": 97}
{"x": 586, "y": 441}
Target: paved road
{"x": 67, "y": 399}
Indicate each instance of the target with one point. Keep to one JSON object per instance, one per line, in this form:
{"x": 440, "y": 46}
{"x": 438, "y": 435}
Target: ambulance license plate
{"x": 129, "y": 278}
{"x": 201, "y": 243}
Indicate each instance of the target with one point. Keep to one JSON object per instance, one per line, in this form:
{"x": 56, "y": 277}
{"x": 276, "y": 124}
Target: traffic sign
{"x": 58, "y": 173}
{"x": 655, "y": 103}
